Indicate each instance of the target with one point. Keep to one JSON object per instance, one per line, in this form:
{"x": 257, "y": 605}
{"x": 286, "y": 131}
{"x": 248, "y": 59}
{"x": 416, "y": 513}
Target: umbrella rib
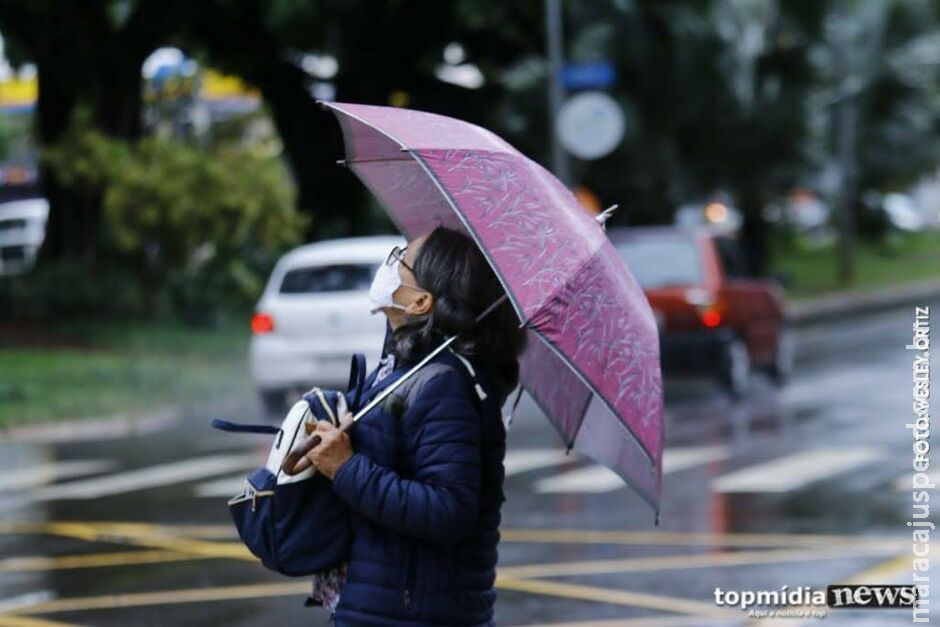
{"x": 453, "y": 205}
{"x": 334, "y": 108}
{"x": 349, "y": 162}
{"x": 450, "y": 201}
{"x": 574, "y": 368}
{"x": 577, "y": 430}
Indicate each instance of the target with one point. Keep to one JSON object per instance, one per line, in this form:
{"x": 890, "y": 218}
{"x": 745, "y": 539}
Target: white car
{"x": 312, "y": 317}
{"x": 22, "y": 231}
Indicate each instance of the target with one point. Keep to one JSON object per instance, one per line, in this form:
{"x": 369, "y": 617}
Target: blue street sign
{"x": 589, "y": 75}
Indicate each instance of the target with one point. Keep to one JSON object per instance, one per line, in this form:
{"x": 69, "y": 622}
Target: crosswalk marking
{"x": 223, "y": 487}
{"x": 597, "y": 478}
{"x": 905, "y": 482}
{"x": 516, "y": 462}
{"x": 778, "y": 475}
{"x": 523, "y": 460}
{"x": 42, "y": 474}
{"x": 794, "y": 471}
{"x": 676, "y": 459}
{"x": 594, "y": 478}
{"x": 150, "y": 477}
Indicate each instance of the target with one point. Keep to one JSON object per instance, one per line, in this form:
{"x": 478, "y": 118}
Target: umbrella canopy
{"x": 592, "y": 360}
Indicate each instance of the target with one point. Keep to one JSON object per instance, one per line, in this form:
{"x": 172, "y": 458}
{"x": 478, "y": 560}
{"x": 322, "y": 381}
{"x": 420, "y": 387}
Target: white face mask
{"x": 384, "y": 284}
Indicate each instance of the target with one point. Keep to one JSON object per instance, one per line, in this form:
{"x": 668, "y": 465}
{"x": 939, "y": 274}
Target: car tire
{"x": 736, "y": 368}
{"x": 781, "y": 368}
{"x": 273, "y": 402}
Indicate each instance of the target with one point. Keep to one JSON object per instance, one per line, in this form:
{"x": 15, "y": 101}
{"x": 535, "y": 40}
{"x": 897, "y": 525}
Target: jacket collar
{"x": 371, "y": 390}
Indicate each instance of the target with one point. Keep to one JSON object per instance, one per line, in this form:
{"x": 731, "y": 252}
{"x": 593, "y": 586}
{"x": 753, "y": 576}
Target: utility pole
{"x": 845, "y": 113}
{"x": 556, "y": 91}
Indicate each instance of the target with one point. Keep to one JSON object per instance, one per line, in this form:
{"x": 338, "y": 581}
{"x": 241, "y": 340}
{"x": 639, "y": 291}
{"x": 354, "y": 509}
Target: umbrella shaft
{"x": 384, "y": 393}
{"x": 391, "y": 388}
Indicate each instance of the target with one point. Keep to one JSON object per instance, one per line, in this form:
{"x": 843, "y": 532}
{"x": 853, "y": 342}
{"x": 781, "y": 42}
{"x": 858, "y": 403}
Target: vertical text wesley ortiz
{"x": 920, "y": 428}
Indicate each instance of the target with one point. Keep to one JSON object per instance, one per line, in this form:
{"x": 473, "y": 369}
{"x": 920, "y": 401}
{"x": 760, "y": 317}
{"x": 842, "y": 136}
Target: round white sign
{"x": 590, "y": 125}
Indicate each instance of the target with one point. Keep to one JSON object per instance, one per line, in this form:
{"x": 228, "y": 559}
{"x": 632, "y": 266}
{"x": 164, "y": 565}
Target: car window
{"x": 13, "y": 253}
{"x": 330, "y": 278}
{"x": 660, "y": 262}
{"x": 14, "y": 223}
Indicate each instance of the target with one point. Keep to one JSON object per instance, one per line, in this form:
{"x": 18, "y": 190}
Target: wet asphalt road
{"x": 796, "y": 487}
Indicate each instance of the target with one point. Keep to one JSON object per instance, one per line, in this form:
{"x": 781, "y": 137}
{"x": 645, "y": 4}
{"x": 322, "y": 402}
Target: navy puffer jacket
{"x": 424, "y": 487}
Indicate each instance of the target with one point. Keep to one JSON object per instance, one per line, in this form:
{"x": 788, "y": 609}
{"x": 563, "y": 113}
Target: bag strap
{"x": 473, "y": 375}
{"x": 235, "y": 427}
{"x": 321, "y": 397}
{"x": 357, "y": 379}
{"x": 507, "y": 418}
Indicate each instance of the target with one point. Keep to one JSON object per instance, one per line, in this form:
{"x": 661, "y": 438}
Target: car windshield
{"x": 661, "y": 262}
{"x": 330, "y": 278}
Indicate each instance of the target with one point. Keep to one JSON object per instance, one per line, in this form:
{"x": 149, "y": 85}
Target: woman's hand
{"x": 334, "y": 448}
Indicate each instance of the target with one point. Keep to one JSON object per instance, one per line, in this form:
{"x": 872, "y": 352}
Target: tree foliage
{"x": 730, "y": 94}
{"x": 199, "y": 229}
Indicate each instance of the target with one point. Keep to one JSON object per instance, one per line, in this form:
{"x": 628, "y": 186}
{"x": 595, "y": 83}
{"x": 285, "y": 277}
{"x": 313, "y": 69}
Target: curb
{"x": 833, "y": 306}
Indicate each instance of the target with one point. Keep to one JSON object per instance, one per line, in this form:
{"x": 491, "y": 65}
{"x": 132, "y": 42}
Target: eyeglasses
{"x": 398, "y": 253}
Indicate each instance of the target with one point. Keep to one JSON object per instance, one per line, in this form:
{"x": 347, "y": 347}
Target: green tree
{"x": 198, "y": 230}
{"x": 387, "y": 51}
{"x": 88, "y": 55}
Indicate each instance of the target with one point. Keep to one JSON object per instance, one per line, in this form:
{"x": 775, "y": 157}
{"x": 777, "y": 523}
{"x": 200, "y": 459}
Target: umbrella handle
{"x": 290, "y": 465}
{"x": 299, "y": 454}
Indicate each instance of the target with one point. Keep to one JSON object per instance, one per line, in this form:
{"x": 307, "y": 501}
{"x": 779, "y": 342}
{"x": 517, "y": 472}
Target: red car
{"x": 712, "y": 319}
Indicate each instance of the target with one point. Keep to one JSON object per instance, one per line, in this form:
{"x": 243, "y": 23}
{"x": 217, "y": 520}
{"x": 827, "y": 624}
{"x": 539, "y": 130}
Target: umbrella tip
{"x": 604, "y": 215}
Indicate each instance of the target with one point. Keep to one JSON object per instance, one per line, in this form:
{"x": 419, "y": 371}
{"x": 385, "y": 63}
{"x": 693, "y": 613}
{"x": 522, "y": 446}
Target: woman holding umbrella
{"x": 425, "y": 488}
{"x": 422, "y": 472}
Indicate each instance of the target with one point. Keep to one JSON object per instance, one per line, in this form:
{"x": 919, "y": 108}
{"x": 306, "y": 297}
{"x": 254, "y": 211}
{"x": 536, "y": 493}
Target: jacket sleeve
{"x": 442, "y": 502}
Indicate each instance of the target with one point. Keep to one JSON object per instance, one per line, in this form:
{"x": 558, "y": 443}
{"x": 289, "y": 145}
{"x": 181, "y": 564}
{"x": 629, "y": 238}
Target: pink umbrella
{"x": 592, "y": 361}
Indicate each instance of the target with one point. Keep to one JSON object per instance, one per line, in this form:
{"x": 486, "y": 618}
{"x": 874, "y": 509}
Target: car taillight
{"x": 711, "y": 317}
{"x": 262, "y": 323}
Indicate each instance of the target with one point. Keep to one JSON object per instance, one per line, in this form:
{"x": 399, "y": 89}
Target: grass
{"x": 901, "y": 259}
{"x": 84, "y": 369}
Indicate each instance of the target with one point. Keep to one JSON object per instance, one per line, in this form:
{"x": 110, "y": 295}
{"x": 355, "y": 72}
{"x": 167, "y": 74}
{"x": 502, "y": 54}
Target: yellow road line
{"x": 617, "y": 597}
{"x": 43, "y": 563}
{"x": 573, "y": 536}
{"x": 143, "y": 535}
{"x": 670, "y": 562}
{"x": 23, "y": 621}
{"x": 172, "y": 545}
{"x": 183, "y": 551}
{"x": 168, "y": 597}
{"x": 883, "y": 571}
{"x": 586, "y": 593}
{"x": 663, "y": 621}
{"x": 581, "y": 536}
{"x": 206, "y": 532}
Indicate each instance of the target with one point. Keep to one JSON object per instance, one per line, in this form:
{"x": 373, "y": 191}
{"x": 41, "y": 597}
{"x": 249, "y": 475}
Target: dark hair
{"x": 451, "y": 267}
